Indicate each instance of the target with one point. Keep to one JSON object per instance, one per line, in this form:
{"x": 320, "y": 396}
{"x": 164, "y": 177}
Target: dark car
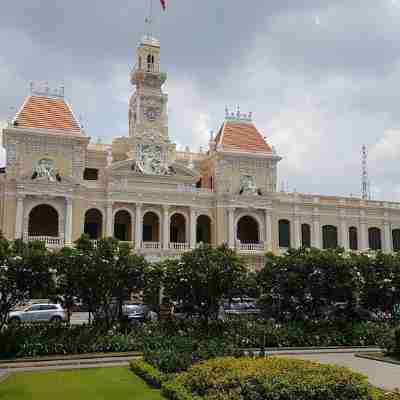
{"x": 342, "y": 311}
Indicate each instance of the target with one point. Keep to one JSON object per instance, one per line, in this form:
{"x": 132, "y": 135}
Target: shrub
{"x": 270, "y": 378}
{"x": 148, "y": 373}
{"x": 45, "y": 339}
{"x": 177, "y": 353}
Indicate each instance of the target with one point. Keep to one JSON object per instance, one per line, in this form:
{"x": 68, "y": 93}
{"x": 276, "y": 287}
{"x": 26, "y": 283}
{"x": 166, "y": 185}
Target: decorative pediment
{"x": 135, "y": 168}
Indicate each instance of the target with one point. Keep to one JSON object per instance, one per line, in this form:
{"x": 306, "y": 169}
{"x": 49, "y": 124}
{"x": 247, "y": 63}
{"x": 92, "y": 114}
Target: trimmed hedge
{"x": 175, "y": 354}
{"x": 148, "y": 373}
{"x": 270, "y": 378}
{"x": 48, "y": 339}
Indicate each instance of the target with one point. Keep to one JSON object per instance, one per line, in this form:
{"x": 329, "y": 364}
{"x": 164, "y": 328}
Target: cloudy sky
{"x": 321, "y": 77}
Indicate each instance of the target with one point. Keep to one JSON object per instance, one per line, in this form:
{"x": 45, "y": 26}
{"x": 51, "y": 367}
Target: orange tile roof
{"x": 242, "y": 136}
{"x": 43, "y": 112}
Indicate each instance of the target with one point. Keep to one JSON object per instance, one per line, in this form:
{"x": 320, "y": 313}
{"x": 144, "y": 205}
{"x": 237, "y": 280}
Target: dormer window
{"x": 91, "y": 174}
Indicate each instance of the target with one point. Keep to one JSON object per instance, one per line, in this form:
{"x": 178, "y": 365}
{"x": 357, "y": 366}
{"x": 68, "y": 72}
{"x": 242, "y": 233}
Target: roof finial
{"x": 211, "y": 135}
{"x": 238, "y": 112}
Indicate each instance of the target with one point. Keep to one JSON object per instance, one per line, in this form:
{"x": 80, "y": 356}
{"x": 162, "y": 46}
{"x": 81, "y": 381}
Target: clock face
{"x": 152, "y": 113}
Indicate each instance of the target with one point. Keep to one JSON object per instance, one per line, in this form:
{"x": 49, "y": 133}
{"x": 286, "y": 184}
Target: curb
{"x": 66, "y": 364}
{"x": 384, "y": 360}
{"x": 72, "y": 358}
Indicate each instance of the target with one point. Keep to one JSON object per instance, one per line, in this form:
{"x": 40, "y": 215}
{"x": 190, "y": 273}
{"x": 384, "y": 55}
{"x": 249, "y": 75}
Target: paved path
{"x": 381, "y": 374}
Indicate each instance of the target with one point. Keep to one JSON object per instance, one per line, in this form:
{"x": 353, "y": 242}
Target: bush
{"x": 271, "y": 378}
{"x": 45, "y": 339}
{"x": 177, "y": 353}
{"x": 148, "y": 373}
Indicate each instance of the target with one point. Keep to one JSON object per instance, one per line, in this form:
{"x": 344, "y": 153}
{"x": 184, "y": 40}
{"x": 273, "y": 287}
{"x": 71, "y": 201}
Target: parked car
{"x": 45, "y": 312}
{"x": 136, "y": 312}
{"x": 241, "y": 308}
{"x": 340, "y": 311}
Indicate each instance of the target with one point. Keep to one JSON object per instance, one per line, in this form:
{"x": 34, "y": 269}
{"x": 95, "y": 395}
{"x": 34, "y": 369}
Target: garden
{"x": 306, "y": 298}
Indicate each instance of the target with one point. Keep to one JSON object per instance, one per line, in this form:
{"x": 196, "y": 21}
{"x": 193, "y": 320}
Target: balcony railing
{"x": 151, "y": 245}
{"x": 179, "y": 246}
{"x": 250, "y": 247}
{"x": 50, "y": 241}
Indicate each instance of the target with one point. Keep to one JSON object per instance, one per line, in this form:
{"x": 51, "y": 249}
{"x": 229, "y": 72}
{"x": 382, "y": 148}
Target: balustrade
{"x": 50, "y": 241}
{"x": 179, "y": 246}
{"x": 151, "y": 245}
{"x": 250, "y": 247}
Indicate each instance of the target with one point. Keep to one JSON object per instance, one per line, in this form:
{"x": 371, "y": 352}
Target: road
{"x": 381, "y": 374}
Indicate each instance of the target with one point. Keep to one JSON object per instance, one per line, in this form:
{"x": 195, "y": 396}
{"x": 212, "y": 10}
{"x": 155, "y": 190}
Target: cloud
{"x": 387, "y": 148}
{"x": 321, "y": 77}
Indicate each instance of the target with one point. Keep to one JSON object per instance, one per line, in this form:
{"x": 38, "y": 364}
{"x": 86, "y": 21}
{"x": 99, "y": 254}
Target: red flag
{"x": 163, "y": 4}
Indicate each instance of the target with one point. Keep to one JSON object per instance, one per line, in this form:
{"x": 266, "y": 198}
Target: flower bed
{"x": 270, "y": 378}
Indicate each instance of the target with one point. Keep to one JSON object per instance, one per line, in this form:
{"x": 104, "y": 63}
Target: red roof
{"x": 51, "y": 113}
{"x": 242, "y": 137}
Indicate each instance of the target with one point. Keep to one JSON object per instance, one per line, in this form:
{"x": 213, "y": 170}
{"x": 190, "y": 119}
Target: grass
{"x": 116, "y": 383}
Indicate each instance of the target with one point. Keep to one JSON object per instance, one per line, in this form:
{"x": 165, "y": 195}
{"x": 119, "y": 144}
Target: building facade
{"x": 140, "y": 189}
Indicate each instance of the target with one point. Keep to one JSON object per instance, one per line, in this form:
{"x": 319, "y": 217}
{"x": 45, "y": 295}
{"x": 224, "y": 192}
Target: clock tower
{"x": 150, "y": 147}
{"x": 148, "y": 105}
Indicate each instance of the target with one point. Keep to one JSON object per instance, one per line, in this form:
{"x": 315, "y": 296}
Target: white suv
{"x": 38, "y": 313}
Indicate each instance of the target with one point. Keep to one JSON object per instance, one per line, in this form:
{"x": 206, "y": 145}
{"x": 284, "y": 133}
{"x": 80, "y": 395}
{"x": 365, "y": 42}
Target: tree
{"x": 203, "y": 277}
{"x": 68, "y": 278}
{"x": 108, "y": 274}
{"x": 24, "y": 273}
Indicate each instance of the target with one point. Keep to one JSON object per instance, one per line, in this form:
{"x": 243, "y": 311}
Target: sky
{"x": 322, "y": 78}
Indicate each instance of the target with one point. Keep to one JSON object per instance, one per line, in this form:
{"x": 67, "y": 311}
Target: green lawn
{"x": 80, "y": 384}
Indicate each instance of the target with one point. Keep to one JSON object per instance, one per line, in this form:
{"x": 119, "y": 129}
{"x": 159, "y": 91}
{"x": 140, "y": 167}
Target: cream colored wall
{"x": 10, "y": 209}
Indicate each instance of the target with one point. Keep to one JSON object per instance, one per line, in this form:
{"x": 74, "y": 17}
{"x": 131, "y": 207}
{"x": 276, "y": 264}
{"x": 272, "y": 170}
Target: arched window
{"x": 353, "y": 238}
{"x": 177, "y": 229}
{"x": 43, "y": 221}
{"x": 151, "y": 227}
{"x": 149, "y": 63}
{"x": 248, "y": 231}
{"x": 140, "y": 62}
{"x": 203, "y": 231}
{"x": 305, "y": 235}
{"x": 123, "y": 226}
{"x": 374, "y": 238}
{"x": 93, "y": 223}
{"x": 284, "y": 233}
{"x": 329, "y": 237}
{"x": 396, "y": 239}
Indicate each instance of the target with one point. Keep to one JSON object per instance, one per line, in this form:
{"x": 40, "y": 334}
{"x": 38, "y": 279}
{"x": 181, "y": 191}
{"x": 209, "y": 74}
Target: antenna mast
{"x": 149, "y": 21}
{"x": 365, "y": 185}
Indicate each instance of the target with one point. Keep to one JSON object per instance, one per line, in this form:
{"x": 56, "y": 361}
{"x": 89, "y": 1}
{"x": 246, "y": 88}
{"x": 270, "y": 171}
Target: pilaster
{"x": 138, "y": 226}
{"x": 19, "y": 216}
{"x": 165, "y": 235}
{"x": 68, "y": 221}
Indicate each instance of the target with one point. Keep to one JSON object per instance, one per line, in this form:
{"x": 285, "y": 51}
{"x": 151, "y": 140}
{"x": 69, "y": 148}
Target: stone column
{"x": 19, "y": 218}
{"x": 109, "y": 217}
{"x": 387, "y": 237}
{"x": 297, "y": 232}
{"x": 344, "y": 232}
{"x": 165, "y": 235}
{"x": 231, "y": 228}
{"x": 138, "y": 226}
{"x": 193, "y": 228}
{"x": 316, "y": 234}
{"x": 68, "y": 222}
{"x": 364, "y": 231}
{"x": 268, "y": 230}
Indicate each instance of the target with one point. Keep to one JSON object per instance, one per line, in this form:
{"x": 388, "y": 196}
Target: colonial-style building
{"x": 142, "y": 190}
